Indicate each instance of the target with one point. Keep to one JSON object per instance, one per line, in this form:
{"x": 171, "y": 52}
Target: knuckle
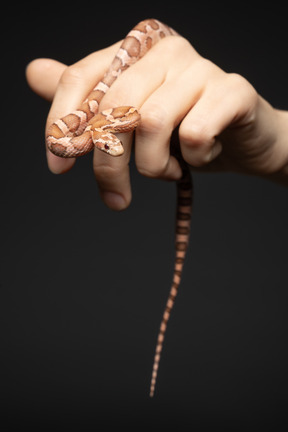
{"x": 237, "y": 79}
{"x": 246, "y": 97}
{"x": 177, "y": 44}
{"x": 104, "y": 172}
{"x": 196, "y": 141}
{"x": 207, "y": 66}
{"x": 152, "y": 169}
{"x": 198, "y": 158}
{"x": 153, "y": 120}
{"x": 195, "y": 135}
{"x": 172, "y": 46}
{"x": 72, "y": 75}
{"x": 116, "y": 96}
{"x": 241, "y": 85}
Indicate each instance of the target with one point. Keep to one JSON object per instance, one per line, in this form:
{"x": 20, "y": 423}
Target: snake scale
{"x": 84, "y": 129}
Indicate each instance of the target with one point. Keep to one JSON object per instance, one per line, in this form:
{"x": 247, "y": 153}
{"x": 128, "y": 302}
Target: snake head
{"x": 107, "y": 142}
{"x": 104, "y": 125}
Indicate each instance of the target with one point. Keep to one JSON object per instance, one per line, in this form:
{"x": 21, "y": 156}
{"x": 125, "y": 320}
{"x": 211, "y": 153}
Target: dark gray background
{"x": 83, "y": 289}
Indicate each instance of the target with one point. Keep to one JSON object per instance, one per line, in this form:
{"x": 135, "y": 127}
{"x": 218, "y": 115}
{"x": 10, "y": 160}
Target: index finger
{"x": 43, "y": 76}
{"x": 75, "y": 84}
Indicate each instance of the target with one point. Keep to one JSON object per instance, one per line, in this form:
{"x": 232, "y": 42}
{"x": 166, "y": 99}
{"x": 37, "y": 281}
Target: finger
{"x": 113, "y": 176}
{"x": 43, "y": 76}
{"x": 78, "y": 80}
{"x": 160, "y": 115}
{"x": 154, "y": 90}
{"x": 131, "y": 88}
{"x": 163, "y": 112}
{"x": 74, "y": 85}
{"x": 222, "y": 104}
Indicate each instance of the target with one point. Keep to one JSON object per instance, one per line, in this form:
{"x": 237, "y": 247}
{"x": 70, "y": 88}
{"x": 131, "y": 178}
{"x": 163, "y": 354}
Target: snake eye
{"x": 106, "y": 146}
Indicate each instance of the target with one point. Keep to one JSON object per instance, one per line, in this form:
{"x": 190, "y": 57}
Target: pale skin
{"x": 224, "y": 124}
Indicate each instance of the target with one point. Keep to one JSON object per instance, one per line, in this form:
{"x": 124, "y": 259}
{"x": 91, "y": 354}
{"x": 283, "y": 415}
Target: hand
{"x": 223, "y": 123}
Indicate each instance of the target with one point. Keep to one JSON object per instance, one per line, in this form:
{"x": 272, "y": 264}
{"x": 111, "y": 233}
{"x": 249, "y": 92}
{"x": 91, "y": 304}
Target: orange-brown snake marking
{"x": 84, "y": 129}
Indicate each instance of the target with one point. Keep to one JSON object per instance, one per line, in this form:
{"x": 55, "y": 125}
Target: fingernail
{"x": 114, "y": 201}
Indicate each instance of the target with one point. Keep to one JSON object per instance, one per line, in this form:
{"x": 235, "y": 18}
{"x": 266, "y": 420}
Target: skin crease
{"x": 224, "y": 124}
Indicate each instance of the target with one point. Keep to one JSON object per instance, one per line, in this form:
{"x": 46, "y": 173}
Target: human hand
{"x": 223, "y": 123}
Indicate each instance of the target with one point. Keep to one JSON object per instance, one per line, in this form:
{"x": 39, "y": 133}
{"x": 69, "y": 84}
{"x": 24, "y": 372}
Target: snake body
{"x": 83, "y": 129}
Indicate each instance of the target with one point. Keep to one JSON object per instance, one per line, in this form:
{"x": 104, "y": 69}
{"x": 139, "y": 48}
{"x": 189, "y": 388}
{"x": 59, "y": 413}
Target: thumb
{"x": 43, "y": 75}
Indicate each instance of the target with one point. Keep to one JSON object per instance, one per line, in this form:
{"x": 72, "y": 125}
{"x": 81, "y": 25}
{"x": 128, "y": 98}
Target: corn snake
{"x": 83, "y": 129}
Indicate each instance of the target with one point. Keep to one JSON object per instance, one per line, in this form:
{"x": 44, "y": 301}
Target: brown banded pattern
{"x": 84, "y": 129}
{"x": 182, "y": 233}
{"x": 61, "y": 138}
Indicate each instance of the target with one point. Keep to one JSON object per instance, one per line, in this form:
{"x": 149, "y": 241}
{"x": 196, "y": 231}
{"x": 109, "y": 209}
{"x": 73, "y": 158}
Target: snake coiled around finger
{"x": 84, "y": 129}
